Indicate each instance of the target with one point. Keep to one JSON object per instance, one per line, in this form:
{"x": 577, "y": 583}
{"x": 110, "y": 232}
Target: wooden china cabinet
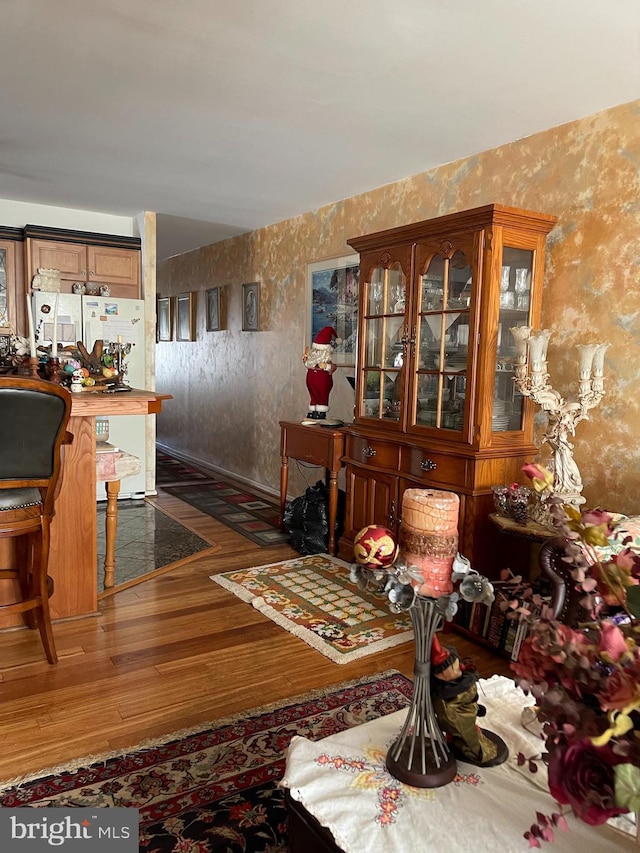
{"x": 436, "y": 405}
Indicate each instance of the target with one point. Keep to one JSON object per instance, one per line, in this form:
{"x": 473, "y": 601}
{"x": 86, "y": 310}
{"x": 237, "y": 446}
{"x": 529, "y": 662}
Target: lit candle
{"x": 598, "y": 359}
{"x": 54, "y": 345}
{"x": 587, "y": 353}
{"x": 521, "y": 335}
{"x": 32, "y": 334}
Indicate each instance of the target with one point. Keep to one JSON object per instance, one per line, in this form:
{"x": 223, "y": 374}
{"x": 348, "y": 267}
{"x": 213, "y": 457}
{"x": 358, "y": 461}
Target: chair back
{"x": 33, "y": 421}
{"x": 566, "y": 596}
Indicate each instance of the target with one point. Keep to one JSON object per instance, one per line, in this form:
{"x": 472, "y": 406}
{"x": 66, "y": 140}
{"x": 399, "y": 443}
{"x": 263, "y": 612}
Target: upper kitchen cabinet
{"x": 434, "y": 375}
{"x": 84, "y": 257}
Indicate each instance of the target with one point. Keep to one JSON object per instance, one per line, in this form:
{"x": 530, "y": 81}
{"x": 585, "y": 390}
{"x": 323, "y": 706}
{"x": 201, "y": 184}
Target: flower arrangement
{"x": 585, "y": 678}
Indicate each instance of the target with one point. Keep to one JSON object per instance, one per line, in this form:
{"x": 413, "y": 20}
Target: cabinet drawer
{"x": 371, "y": 451}
{"x": 434, "y": 467}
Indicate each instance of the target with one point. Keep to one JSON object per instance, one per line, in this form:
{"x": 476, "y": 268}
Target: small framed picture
{"x": 164, "y": 318}
{"x": 333, "y": 301}
{"x": 251, "y": 307}
{"x": 185, "y": 317}
{"x": 214, "y": 321}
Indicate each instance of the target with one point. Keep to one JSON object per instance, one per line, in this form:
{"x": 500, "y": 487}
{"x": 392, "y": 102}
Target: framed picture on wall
{"x": 214, "y": 319}
{"x": 185, "y": 317}
{"x": 251, "y": 307}
{"x": 164, "y": 318}
{"x": 332, "y": 288}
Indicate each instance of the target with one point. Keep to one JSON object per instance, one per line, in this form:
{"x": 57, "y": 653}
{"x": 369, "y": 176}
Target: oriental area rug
{"x": 243, "y": 512}
{"x": 313, "y": 598}
{"x": 171, "y": 471}
{"x": 214, "y": 790}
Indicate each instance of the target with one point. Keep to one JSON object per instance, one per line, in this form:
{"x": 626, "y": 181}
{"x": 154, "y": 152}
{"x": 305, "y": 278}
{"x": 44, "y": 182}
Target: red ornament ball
{"x": 375, "y": 547}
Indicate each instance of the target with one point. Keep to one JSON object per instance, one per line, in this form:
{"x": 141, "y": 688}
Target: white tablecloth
{"x": 342, "y": 781}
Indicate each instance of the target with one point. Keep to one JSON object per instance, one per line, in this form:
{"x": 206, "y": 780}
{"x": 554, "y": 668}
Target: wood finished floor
{"x": 173, "y": 651}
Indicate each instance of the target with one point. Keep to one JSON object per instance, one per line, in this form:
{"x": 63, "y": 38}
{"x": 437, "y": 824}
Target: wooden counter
{"x": 73, "y": 554}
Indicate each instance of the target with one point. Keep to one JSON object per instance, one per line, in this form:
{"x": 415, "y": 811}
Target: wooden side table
{"x": 524, "y": 543}
{"x": 316, "y": 445}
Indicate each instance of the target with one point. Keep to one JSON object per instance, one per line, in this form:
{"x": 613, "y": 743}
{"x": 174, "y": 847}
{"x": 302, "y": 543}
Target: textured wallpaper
{"x": 231, "y": 388}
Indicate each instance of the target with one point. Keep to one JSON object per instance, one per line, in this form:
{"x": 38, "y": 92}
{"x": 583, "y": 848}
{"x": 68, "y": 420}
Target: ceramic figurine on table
{"x": 320, "y": 369}
{"x": 76, "y": 380}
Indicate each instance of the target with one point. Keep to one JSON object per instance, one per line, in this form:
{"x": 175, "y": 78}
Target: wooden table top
{"x": 134, "y": 402}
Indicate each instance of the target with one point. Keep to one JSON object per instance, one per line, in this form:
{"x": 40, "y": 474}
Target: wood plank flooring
{"x": 172, "y": 652}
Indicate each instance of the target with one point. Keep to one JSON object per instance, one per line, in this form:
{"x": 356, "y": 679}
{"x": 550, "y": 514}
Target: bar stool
{"x": 33, "y": 428}
{"x": 112, "y": 465}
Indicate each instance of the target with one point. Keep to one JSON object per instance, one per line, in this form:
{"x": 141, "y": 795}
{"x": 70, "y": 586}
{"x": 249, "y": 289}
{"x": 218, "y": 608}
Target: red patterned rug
{"x": 171, "y": 471}
{"x": 242, "y": 511}
{"x": 214, "y": 790}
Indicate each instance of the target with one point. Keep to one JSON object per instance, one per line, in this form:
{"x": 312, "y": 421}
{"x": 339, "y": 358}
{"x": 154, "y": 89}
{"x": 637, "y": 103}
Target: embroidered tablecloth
{"x": 342, "y": 781}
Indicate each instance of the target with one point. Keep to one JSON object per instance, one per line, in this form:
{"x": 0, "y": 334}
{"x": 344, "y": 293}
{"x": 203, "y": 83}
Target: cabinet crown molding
{"x": 93, "y": 238}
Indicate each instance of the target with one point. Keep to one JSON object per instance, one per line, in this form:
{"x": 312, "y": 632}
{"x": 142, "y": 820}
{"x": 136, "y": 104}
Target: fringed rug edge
{"x": 179, "y": 734}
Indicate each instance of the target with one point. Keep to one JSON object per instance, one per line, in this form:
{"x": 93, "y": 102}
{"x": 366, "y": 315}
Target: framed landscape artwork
{"x": 185, "y": 317}
{"x": 251, "y": 307}
{"x": 214, "y": 319}
{"x": 165, "y": 318}
{"x": 333, "y": 301}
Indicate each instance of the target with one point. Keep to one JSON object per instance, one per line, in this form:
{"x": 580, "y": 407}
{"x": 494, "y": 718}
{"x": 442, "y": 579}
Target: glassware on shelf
{"x": 504, "y": 280}
{"x": 507, "y": 299}
{"x": 522, "y": 287}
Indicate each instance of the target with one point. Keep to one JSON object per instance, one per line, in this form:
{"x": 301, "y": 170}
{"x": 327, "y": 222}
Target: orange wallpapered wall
{"x": 231, "y": 387}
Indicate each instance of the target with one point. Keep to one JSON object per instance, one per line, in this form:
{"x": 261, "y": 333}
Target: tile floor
{"x": 146, "y": 540}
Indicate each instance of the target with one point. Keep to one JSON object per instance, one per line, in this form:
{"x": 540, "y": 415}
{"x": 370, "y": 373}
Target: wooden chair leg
{"x": 40, "y": 590}
{"x": 24, "y": 555}
{"x": 111, "y": 527}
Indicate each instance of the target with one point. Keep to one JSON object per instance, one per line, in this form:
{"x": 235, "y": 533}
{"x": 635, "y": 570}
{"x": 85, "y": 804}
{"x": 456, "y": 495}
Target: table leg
{"x": 333, "y": 510}
{"x": 111, "y": 525}
{"x": 284, "y": 481}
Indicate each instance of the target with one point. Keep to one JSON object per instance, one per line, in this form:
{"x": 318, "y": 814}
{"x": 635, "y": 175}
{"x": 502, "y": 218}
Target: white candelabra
{"x": 531, "y": 380}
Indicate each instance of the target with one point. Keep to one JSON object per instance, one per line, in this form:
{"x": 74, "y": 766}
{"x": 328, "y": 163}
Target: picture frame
{"x": 251, "y": 307}
{"x": 214, "y": 316}
{"x": 332, "y": 287}
{"x": 164, "y": 318}
{"x": 185, "y": 316}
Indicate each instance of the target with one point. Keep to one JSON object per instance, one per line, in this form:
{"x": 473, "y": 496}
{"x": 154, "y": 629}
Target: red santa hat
{"x": 326, "y": 335}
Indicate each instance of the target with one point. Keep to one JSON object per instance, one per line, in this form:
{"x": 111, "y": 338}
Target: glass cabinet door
{"x": 442, "y": 342}
{"x": 8, "y": 313}
{"x": 4, "y": 304}
{"x": 515, "y": 305}
{"x": 384, "y": 343}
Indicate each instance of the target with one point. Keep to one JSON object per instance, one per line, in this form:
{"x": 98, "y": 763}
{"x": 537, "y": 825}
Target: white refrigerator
{"x": 90, "y": 318}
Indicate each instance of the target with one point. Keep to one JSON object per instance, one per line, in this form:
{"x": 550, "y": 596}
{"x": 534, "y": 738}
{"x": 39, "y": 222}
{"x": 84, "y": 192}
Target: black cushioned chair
{"x": 33, "y": 427}
{"x": 565, "y": 600}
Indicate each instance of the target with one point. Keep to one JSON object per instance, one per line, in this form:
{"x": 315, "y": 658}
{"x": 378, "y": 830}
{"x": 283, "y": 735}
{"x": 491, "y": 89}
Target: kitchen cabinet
{"x": 436, "y": 404}
{"x": 90, "y": 259}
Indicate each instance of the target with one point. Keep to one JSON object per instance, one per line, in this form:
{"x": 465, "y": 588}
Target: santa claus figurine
{"x": 320, "y": 368}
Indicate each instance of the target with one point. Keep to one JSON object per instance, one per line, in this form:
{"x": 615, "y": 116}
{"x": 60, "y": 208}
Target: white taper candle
{"x": 32, "y": 334}
{"x": 54, "y": 345}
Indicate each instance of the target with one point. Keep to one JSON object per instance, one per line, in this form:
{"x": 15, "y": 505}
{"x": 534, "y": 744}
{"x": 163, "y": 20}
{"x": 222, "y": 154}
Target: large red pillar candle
{"x": 429, "y": 537}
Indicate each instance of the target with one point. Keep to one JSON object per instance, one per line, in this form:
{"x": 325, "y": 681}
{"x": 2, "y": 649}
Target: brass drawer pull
{"x": 368, "y": 452}
{"x": 428, "y": 465}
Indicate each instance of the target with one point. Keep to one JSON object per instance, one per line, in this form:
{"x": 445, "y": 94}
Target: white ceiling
{"x": 226, "y": 115}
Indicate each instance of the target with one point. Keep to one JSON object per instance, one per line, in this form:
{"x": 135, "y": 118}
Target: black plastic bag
{"x": 306, "y": 518}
